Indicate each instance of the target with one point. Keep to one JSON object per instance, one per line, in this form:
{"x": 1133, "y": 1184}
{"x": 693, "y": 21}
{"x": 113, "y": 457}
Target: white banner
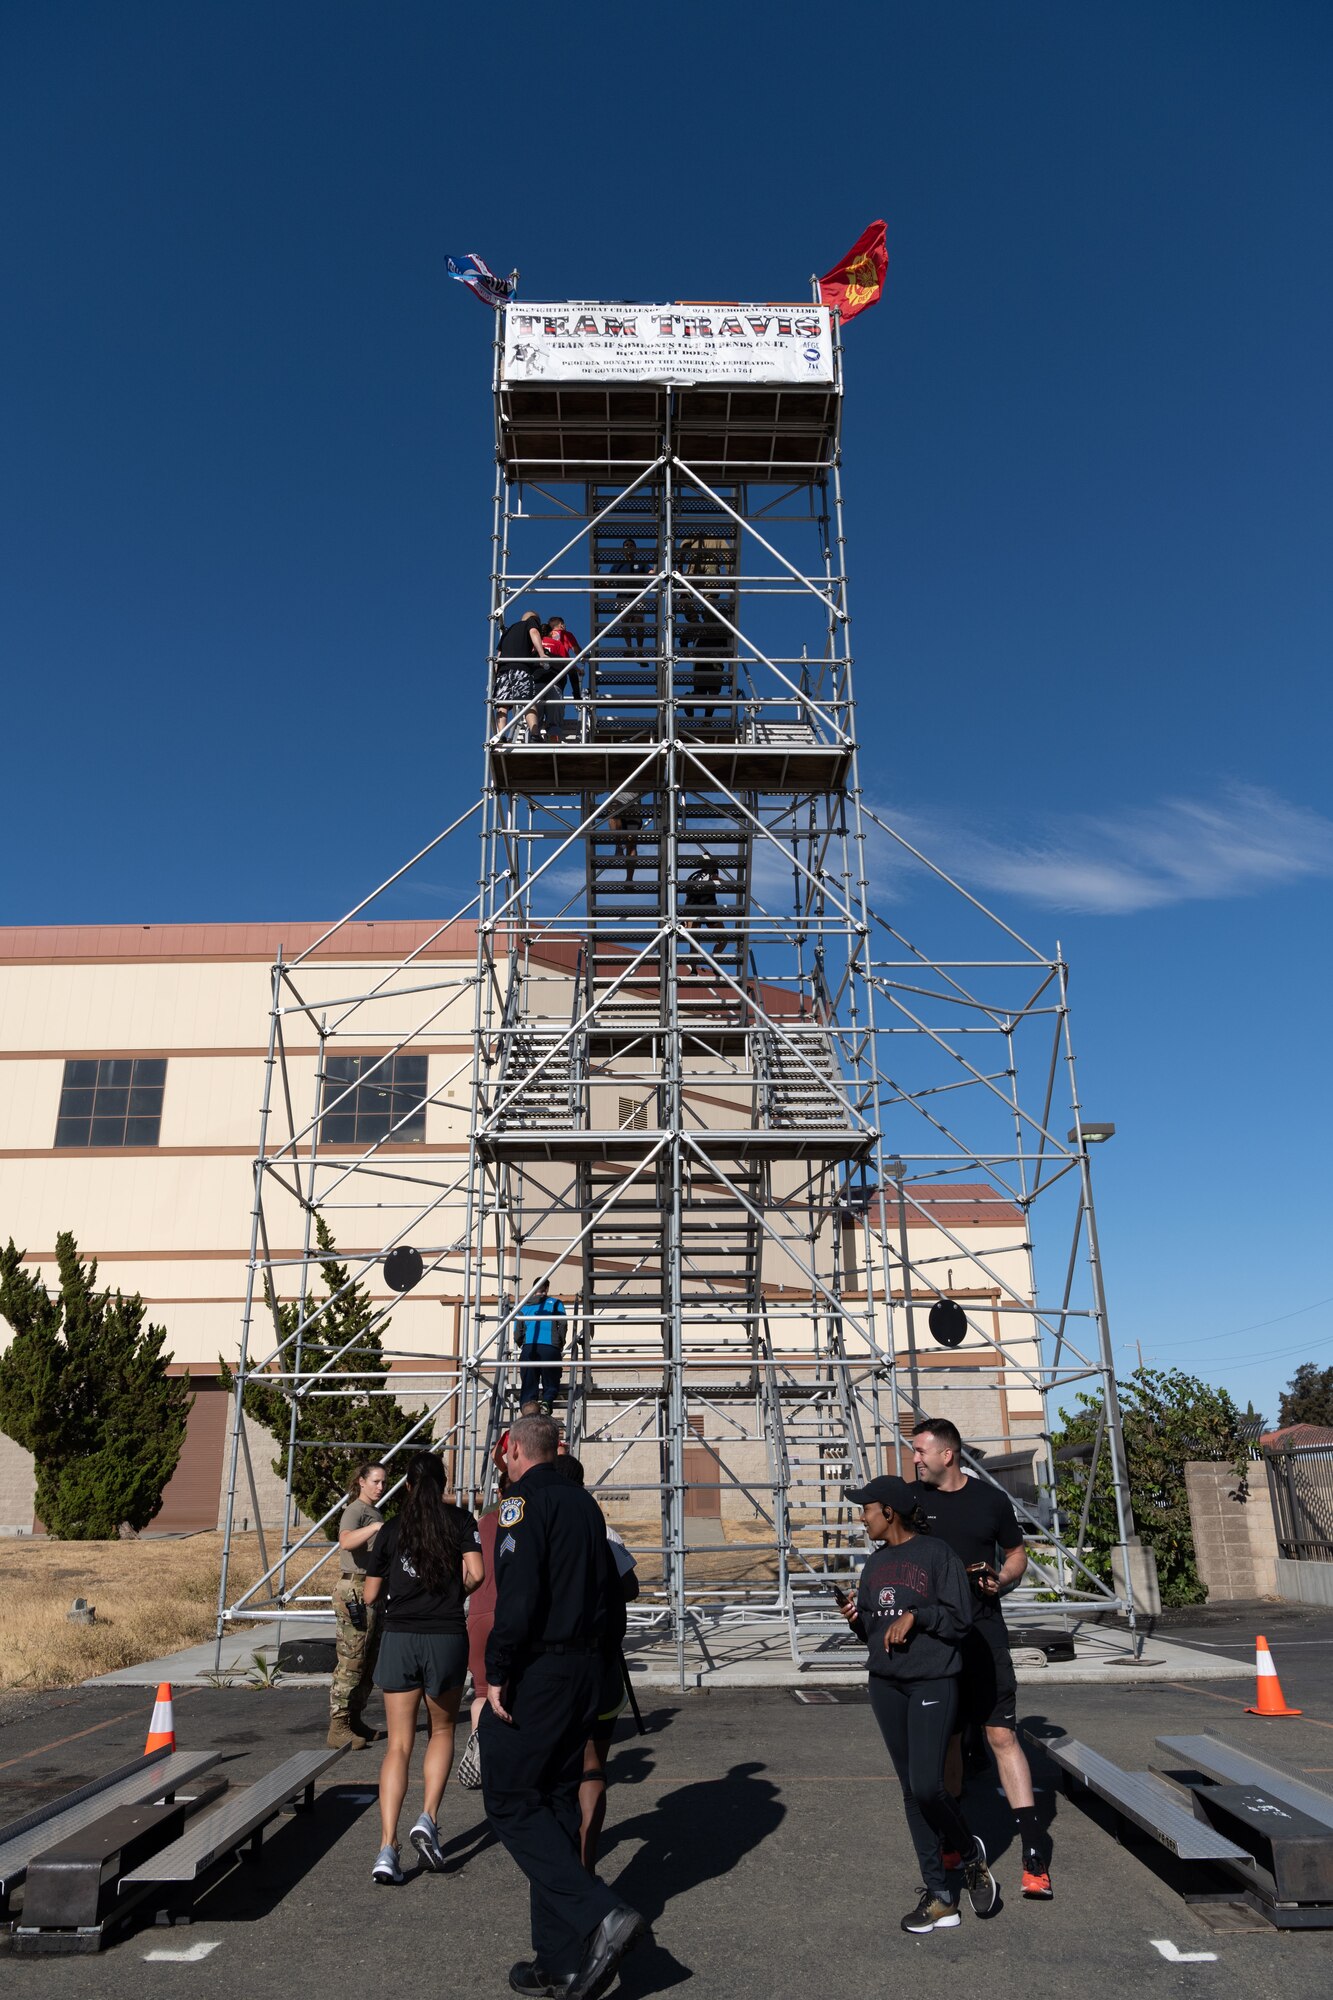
{"x": 677, "y": 344}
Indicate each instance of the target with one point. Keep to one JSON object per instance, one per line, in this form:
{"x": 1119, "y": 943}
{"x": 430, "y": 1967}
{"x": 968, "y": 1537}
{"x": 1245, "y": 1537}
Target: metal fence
{"x": 1301, "y": 1485}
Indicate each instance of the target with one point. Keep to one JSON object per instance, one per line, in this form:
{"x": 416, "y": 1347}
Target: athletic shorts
{"x": 514, "y": 684}
{"x": 988, "y": 1686}
{"x": 434, "y": 1662}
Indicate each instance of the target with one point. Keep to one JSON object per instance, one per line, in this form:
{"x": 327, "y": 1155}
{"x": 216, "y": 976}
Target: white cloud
{"x": 1181, "y": 850}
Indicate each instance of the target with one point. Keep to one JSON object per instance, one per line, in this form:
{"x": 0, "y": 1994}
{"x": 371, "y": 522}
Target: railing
{"x": 1300, "y": 1484}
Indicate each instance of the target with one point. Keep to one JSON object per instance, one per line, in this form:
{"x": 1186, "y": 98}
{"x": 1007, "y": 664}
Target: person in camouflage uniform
{"x": 358, "y": 1637}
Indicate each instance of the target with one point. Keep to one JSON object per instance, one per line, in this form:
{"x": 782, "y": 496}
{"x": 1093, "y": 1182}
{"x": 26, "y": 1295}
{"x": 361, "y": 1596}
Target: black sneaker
{"x": 933, "y": 1913}
{"x": 983, "y": 1891}
{"x": 528, "y": 1977}
{"x": 617, "y": 1934}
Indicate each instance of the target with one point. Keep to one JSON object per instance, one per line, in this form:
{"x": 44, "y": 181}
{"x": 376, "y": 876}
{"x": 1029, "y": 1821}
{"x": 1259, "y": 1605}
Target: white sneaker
{"x": 425, "y": 1837}
{"x": 468, "y": 1772}
{"x": 386, "y": 1867}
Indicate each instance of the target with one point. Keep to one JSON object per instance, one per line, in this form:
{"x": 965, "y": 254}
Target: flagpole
{"x": 816, "y": 293}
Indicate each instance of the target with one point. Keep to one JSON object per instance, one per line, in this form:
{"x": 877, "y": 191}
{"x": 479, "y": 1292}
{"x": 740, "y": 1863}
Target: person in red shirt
{"x": 559, "y": 644}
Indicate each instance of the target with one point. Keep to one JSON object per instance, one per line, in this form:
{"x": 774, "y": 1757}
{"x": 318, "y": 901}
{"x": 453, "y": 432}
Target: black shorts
{"x": 988, "y": 1685}
{"x": 434, "y": 1662}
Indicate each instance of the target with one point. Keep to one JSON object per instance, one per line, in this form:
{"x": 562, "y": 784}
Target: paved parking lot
{"x": 764, "y": 1838}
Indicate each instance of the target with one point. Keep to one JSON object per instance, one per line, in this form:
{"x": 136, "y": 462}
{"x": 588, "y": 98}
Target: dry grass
{"x": 151, "y": 1598}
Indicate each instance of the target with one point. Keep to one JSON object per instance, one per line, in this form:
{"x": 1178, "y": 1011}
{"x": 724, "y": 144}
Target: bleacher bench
{"x": 145, "y": 1781}
{"x": 1145, "y": 1800}
{"x": 1227, "y": 1765}
{"x": 215, "y": 1836}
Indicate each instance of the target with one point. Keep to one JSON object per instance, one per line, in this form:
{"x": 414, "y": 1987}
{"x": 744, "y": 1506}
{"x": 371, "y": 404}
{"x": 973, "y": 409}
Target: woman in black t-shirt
{"x": 420, "y": 1571}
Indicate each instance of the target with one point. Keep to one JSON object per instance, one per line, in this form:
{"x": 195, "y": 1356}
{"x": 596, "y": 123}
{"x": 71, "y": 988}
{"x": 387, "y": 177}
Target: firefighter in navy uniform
{"x": 558, "y": 1606}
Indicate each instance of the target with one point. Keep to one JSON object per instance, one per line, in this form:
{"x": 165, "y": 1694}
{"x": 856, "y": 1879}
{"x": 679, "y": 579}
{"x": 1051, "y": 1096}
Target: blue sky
{"x": 245, "y": 478}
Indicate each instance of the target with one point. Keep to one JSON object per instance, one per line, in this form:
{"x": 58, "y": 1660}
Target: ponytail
{"x": 428, "y": 1529}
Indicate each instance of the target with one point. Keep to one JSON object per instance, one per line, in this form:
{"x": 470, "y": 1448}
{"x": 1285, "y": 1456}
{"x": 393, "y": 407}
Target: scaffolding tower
{"x": 793, "y": 1176}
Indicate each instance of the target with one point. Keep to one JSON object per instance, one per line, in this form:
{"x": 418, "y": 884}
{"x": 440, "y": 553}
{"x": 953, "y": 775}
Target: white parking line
{"x": 1174, "y": 1956}
{"x": 190, "y": 1956}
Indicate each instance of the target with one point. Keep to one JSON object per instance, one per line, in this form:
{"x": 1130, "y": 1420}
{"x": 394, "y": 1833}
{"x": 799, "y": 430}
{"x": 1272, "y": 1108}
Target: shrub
{"x": 84, "y": 1387}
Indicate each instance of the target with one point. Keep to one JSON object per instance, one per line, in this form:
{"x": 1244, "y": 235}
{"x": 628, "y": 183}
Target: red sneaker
{"x": 1036, "y": 1879}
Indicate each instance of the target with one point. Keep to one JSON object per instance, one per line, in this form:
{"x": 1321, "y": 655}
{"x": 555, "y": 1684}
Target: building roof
{"x": 951, "y": 1205}
{"x": 50, "y": 944}
{"x": 1293, "y": 1437}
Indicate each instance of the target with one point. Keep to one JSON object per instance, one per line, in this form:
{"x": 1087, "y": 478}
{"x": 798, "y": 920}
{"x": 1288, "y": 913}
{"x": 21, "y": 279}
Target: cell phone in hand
{"x": 844, "y": 1597}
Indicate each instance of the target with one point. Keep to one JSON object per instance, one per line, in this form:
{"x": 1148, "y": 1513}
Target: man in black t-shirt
{"x": 517, "y": 673}
{"x": 978, "y": 1522}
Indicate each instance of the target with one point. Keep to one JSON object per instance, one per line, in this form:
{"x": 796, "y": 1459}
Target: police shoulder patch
{"x": 511, "y": 1513}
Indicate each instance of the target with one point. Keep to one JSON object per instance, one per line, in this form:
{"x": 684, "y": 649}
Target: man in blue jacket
{"x": 540, "y": 1332}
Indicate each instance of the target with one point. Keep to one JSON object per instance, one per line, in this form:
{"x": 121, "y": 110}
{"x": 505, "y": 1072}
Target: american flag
{"x": 477, "y": 274}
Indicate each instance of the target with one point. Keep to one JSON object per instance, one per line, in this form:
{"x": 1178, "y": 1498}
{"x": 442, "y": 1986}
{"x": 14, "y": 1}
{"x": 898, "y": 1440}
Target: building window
{"x": 111, "y": 1101}
{"x": 394, "y": 1090}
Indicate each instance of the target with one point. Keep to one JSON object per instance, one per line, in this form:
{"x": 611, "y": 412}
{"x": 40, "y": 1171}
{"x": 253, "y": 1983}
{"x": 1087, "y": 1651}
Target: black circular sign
{"x": 403, "y": 1268}
{"x": 948, "y": 1323}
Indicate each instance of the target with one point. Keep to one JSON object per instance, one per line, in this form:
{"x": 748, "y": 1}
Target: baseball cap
{"x": 887, "y": 1491}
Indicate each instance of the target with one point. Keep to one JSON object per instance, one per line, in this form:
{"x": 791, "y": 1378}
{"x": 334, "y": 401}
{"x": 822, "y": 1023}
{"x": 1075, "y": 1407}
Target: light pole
{"x": 1139, "y": 1570}
{"x": 897, "y": 1173}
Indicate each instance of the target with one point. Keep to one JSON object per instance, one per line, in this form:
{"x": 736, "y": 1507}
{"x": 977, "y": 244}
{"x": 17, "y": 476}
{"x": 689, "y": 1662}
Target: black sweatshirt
{"x": 925, "y": 1577}
{"x": 556, "y": 1584}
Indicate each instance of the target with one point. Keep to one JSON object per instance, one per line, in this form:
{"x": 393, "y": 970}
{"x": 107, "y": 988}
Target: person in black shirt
{"x": 978, "y": 1522}
{"x": 913, "y": 1608}
{"x": 558, "y": 1606}
{"x": 612, "y": 1700}
{"x": 518, "y": 673}
{"x": 626, "y": 818}
{"x": 424, "y": 1564}
{"x": 632, "y": 564}
{"x": 701, "y": 912}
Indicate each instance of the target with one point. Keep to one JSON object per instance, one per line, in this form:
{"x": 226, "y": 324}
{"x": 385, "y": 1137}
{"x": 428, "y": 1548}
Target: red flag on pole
{"x": 858, "y": 280}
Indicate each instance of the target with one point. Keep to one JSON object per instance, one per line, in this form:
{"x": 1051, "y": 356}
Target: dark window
{"x": 111, "y": 1101}
{"x": 380, "y": 1095}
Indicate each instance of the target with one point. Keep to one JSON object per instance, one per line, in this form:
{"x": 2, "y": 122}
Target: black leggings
{"x": 916, "y": 1720}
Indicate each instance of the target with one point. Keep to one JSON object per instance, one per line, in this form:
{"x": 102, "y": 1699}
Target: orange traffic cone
{"x": 1268, "y": 1694}
{"x": 162, "y": 1728}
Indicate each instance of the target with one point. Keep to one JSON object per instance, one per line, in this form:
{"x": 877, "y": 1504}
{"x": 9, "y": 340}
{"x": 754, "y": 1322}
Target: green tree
{"x": 332, "y": 1431}
{"x": 84, "y": 1387}
{"x": 1169, "y": 1418}
{"x": 1308, "y": 1397}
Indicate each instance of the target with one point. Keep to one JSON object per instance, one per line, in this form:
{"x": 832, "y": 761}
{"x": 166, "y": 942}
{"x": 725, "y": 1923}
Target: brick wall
{"x": 1235, "y": 1544}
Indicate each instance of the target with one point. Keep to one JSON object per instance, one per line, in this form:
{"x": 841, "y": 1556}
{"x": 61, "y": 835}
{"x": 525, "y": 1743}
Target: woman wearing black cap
{"x": 912, "y": 1607}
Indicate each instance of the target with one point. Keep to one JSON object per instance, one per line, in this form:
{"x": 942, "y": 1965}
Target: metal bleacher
{"x": 148, "y": 1780}
{"x": 174, "y": 1875}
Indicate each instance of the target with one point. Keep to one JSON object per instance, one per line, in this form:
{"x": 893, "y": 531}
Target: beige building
{"x": 131, "y": 1077}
